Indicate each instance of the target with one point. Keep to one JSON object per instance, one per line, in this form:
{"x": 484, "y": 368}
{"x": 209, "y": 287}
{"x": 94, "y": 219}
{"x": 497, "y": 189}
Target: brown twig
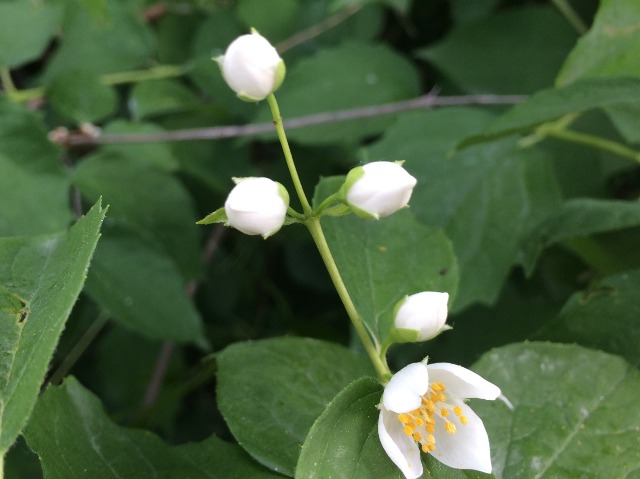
{"x": 430, "y": 100}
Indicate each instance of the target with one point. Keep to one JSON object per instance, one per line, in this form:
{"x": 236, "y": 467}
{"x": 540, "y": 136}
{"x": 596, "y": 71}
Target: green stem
{"x": 594, "y": 142}
{"x": 7, "y": 82}
{"x": 277, "y": 121}
{"x": 313, "y": 224}
{"x": 110, "y": 79}
{"x": 572, "y": 17}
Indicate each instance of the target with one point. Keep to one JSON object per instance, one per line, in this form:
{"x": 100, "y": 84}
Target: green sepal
{"x": 337, "y": 210}
{"x": 218, "y": 216}
{"x": 400, "y": 335}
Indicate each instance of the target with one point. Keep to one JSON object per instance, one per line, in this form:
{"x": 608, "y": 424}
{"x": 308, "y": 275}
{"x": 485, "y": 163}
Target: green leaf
{"x": 275, "y": 23}
{"x": 25, "y": 30}
{"x": 218, "y": 216}
{"x": 534, "y": 39}
{"x": 351, "y": 75}
{"x": 113, "y": 39}
{"x": 45, "y": 274}
{"x": 271, "y": 391}
{"x": 81, "y": 96}
{"x": 608, "y": 49}
{"x": 142, "y": 288}
{"x": 42, "y": 197}
{"x": 604, "y": 316}
{"x": 554, "y": 103}
{"x": 487, "y": 198}
{"x": 576, "y": 218}
{"x": 574, "y": 414}
{"x": 151, "y": 202}
{"x": 344, "y": 443}
{"x": 74, "y": 438}
{"x": 159, "y": 97}
{"x": 382, "y": 261}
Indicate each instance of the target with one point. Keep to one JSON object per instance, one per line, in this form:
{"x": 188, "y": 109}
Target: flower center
{"x": 420, "y": 424}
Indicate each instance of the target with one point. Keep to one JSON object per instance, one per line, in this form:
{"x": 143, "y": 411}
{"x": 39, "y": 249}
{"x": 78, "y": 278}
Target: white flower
{"x": 424, "y": 314}
{"x": 257, "y": 206}
{"x": 423, "y": 408}
{"x": 378, "y": 189}
{"x": 252, "y": 67}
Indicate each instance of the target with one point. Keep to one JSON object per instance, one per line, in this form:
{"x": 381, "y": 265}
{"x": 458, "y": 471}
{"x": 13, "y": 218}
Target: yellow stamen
{"x": 425, "y": 449}
{"x": 430, "y": 439}
{"x": 463, "y": 419}
{"x": 444, "y": 412}
{"x": 408, "y": 430}
{"x": 450, "y": 427}
{"x": 458, "y": 411}
{"x": 430, "y": 428}
{"x": 417, "y": 436}
{"x": 404, "y": 418}
{"x": 419, "y": 421}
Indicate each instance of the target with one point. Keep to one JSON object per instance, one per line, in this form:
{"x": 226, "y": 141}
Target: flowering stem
{"x": 313, "y": 224}
{"x": 595, "y": 142}
{"x": 277, "y": 121}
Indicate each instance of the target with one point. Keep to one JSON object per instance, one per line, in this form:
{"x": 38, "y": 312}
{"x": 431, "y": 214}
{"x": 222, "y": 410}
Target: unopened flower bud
{"x": 420, "y": 317}
{"x": 257, "y": 206}
{"x": 378, "y": 189}
{"x": 252, "y": 67}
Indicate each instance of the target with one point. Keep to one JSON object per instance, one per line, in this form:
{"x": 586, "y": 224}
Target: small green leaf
{"x": 275, "y": 23}
{"x": 381, "y": 261}
{"x": 579, "y": 217}
{"x": 218, "y": 216}
{"x": 554, "y": 103}
{"x": 608, "y": 49}
{"x": 142, "y": 288}
{"x": 575, "y": 412}
{"x": 534, "y": 39}
{"x": 605, "y": 316}
{"x": 80, "y": 96}
{"x": 25, "y": 30}
{"x": 46, "y": 274}
{"x": 74, "y": 438}
{"x": 271, "y": 391}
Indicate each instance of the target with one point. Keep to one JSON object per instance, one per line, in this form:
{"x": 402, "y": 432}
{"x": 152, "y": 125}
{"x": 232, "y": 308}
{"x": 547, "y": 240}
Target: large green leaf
{"x": 142, "y": 288}
{"x": 159, "y": 97}
{"x": 41, "y": 280}
{"x": 575, "y": 412}
{"x": 271, "y": 391}
{"x": 79, "y": 95}
{"x": 604, "y": 316}
{"x": 74, "y": 438}
{"x": 580, "y": 217}
{"x": 351, "y": 75}
{"x": 486, "y": 198}
{"x": 554, "y": 103}
{"x": 344, "y": 444}
{"x": 151, "y": 202}
{"x": 32, "y": 202}
{"x": 608, "y": 49}
{"x": 382, "y": 261}
{"x": 534, "y": 39}
{"x": 25, "y": 30}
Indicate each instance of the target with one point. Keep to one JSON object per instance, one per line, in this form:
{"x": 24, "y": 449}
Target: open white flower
{"x": 257, "y": 206}
{"x": 252, "y": 67}
{"x": 378, "y": 189}
{"x": 423, "y": 409}
{"x": 421, "y": 316}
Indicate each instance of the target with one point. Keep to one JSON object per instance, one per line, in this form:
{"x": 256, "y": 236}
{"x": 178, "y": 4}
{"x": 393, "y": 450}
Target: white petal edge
{"x": 400, "y": 448}
{"x": 461, "y": 382}
{"x": 467, "y": 448}
{"x": 404, "y": 390}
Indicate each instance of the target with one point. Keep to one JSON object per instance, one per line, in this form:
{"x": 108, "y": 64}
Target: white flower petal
{"x": 400, "y": 448}
{"x": 468, "y": 447}
{"x": 404, "y": 391}
{"x": 462, "y": 383}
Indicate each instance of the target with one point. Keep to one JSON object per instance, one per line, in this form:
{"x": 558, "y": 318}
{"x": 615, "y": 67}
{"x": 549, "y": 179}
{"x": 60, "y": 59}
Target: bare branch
{"x": 428, "y": 101}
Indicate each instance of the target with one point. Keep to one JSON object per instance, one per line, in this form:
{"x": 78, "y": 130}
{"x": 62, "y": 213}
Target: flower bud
{"x": 420, "y": 317}
{"x": 378, "y": 189}
{"x": 252, "y": 67}
{"x": 257, "y": 206}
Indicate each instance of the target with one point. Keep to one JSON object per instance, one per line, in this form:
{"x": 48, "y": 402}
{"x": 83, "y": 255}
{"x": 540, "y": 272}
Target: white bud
{"x": 378, "y": 189}
{"x": 252, "y": 67}
{"x": 424, "y": 313}
{"x": 257, "y": 206}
